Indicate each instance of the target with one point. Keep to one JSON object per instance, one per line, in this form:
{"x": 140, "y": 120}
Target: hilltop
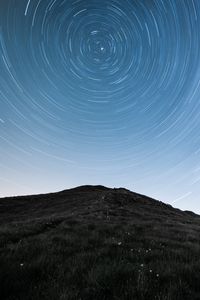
{"x": 94, "y": 242}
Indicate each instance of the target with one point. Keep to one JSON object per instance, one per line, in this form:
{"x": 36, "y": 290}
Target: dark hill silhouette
{"x": 95, "y": 242}
{"x": 92, "y": 202}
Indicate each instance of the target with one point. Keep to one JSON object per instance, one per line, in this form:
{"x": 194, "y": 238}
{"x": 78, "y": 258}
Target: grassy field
{"x": 95, "y": 243}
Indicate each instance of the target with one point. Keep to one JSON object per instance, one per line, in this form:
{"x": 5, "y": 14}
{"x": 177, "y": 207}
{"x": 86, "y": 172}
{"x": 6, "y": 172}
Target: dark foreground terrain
{"x": 92, "y": 243}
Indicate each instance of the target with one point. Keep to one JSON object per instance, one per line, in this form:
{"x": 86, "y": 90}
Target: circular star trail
{"x": 101, "y": 91}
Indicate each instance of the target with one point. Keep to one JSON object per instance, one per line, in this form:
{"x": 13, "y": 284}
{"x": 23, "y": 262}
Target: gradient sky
{"x": 101, "y": 92}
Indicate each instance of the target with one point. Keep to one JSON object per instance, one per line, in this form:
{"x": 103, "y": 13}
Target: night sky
{"x": 101, "y": 92}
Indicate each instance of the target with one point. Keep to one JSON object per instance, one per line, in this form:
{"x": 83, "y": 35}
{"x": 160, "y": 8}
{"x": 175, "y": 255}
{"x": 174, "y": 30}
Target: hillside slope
{"x": 93, "y": 242}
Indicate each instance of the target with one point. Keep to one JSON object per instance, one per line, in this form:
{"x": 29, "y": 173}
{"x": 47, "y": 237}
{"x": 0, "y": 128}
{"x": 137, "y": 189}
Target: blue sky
{"x": 101, "y": 92}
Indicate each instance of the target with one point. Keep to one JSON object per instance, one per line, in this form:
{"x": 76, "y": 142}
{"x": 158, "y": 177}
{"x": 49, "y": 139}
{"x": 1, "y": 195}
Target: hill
{"x": 94, "y": 242}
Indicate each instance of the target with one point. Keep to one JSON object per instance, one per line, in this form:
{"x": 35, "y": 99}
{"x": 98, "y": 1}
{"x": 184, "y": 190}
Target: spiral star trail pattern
{"x": 101, "y": 92}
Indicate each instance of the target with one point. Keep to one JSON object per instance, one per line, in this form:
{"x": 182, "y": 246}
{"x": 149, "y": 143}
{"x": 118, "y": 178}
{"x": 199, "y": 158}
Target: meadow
{"x": 96, "y": 243}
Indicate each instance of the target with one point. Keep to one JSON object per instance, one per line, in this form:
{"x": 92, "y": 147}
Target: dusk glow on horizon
{"x": 102, "y": 92}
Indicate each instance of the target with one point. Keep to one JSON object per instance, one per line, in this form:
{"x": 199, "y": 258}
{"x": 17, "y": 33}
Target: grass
{"x": 65, "y": 257}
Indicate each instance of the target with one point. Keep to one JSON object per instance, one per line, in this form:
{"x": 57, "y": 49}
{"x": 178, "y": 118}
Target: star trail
{"x": 101, "y": 92}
